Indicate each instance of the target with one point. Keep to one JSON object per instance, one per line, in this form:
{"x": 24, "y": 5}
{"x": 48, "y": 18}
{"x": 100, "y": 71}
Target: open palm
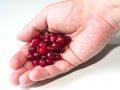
{"x": 89, "y": 33}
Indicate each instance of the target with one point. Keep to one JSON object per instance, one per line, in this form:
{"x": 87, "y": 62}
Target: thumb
{"x": 38, "y": 24}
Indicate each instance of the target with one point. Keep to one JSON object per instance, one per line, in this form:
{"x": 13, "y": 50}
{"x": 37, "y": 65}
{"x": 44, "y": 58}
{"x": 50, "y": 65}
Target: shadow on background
{"x": 92, "y": 61}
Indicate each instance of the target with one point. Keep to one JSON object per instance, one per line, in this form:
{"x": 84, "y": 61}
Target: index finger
{"x": 38, "y": 24}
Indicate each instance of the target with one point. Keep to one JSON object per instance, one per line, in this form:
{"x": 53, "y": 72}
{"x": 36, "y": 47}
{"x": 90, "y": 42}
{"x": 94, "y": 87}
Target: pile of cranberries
{"x": 45, "y": 48}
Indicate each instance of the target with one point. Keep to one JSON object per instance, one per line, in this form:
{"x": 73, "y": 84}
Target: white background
{"x": 101, "y": 73}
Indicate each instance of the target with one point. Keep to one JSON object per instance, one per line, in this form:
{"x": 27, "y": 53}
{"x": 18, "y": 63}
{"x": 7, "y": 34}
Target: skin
{"x": 89, "y": 23}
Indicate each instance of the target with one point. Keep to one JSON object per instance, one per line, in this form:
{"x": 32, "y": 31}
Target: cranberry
{"x": 42, "y": 44}
{"x": 53, "y": 38}
{"x": 50, "y": 48}
{"x": 50, "y": 34}
{"x": 35, "y": 41}
{"x": 67, "y": 40}
{"x": 50, "y": 62}
{"x": 42, "y": 36}
{"x": 43, "y": 50}
{"x": 55, "y": 46}
{"x": 60, "y": 34}
{"x": 61, "y": 50}
{"x": 32, "y": 49}
{"x": 50, "y": 55}
{"x": 60, "y": 40}
{"x": 37, "y": 55}
{"x": 30, "y": 57}
{"x": 57, "y": 56}
{"x": 47, "y": 41}
{"x": 35, "y": 63}
{"x": 43, "y": 63}
{"x": 43, "y": 57}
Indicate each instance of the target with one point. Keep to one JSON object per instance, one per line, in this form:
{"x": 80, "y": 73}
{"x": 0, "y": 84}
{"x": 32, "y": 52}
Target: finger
{"x": 24, "y": 79}
{"x": 38, "y": 24}
{"x": 14, "y": 77}
{"x": 19, "y": 58}
{"x": 39, "y": 73}
{"x": 27, "y": 33}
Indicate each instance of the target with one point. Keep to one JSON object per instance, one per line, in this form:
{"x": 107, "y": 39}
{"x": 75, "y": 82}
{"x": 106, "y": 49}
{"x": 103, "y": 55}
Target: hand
{"x": 85, "y": 22}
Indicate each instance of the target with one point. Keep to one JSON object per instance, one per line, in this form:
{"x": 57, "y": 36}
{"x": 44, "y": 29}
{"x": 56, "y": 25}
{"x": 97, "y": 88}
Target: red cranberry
{"x": 43, "y": 63}
{"x": 50, "y": 55}
{"x": 47, "y": 41}
{"x": 55, "y": 46}
{"x": 50, "y": 62}
{"x": 35, "y": 41}
{"x": 42, "y": 36}
{"x": 60, "y": 34}
{"x": 30, "y": 57}
{"x": 42, "y": 44}
{"x": 60, "y": 40}
{"x": 50, "y": 34}
{"x": 32, "y": 49}
{"x": 61, "y": 50}
{"x": 37, "y": 55}
{"x": 50, "y": 48}
{"x": 67, "y": 40}
{"x": 57, "y": 56}
{"x": 43, "y": 50}
{"x": 35, "y": 63}
{"x": 43, "y": 57}
{"x": 53, "y": 38}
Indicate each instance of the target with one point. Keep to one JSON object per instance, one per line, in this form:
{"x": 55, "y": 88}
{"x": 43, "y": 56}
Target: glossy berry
{"x": 55, "y": 46}
{"x": 30, "y": 57}
{"x": 43, "y": 50}
{"x": 60, "y": 34}
{"x": 60, "y": 40}
{"x": 51, "y": 55}
{"x": 50, "y": 34}
{"x": 67, "y": 40}
{"x": 43, "y": 63}
{"x": 50, "y": 62}
{"x": 32, "y": 49}
{"x": 37, "y": 55}
{"x": 35, "y": 63}
{"x": 47, "y": 41}
{"x": 35, "y": 42}
{"x": 53, "y": 38}
{"x": 61, "y": 50}
{"x": 57, "y": 56}
{"x": 42, "y": 44}
{"x": 50, "y": 48}
{"x": 43, "y": 57}
{"x": 42, "y": 36}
